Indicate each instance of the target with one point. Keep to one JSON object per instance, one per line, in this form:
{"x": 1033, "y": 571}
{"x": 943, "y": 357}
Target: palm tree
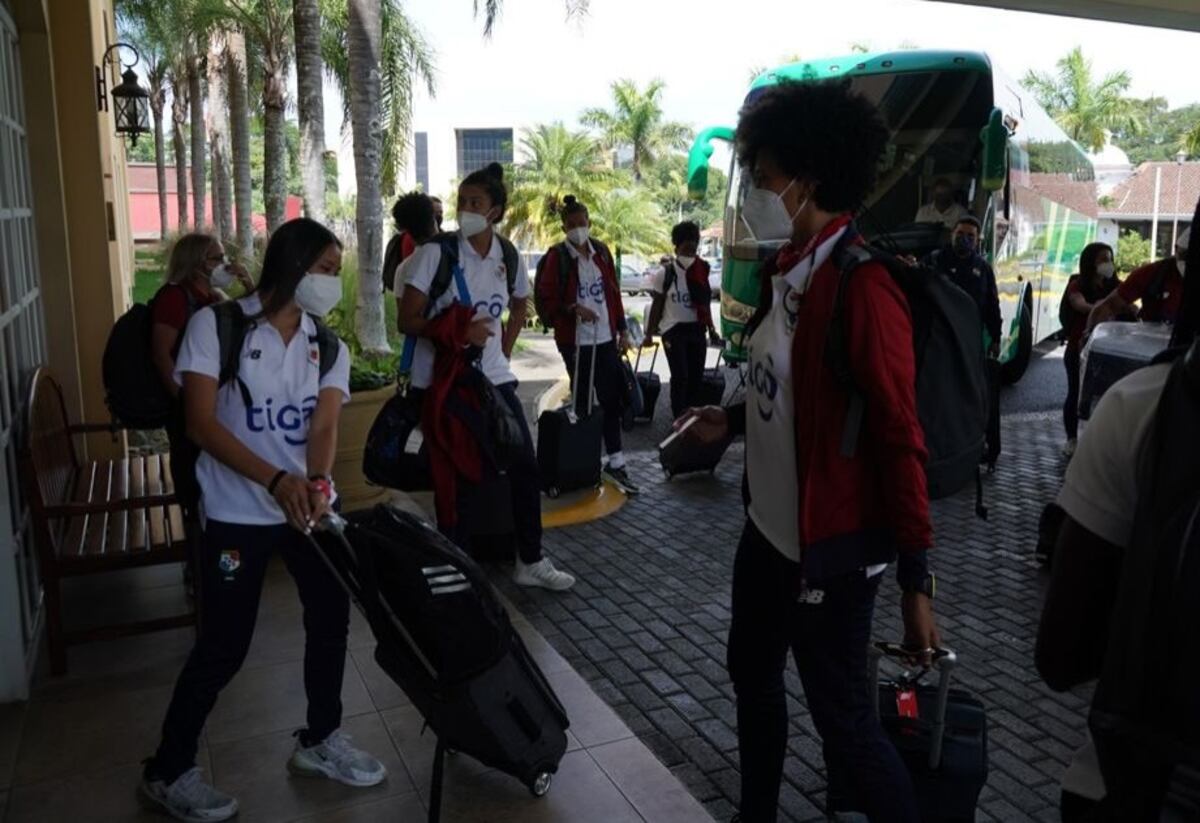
{"x": 194, "y": 62}
{"x": 364, "y": 36}
{"x": 1190, "y": 142}
{"x": 636, "y": 122}
{"x": 628, "y": 222}
{"x": 268, "y": 23}
{"x": 177, "y": 75}
{"x": 1085, "y": 109}
{"x": 561, "y": 162}
{"x": 218, "y": 129}
{"x": 306, "y": 16}
{"x": 405, "y": 59}
{"x": 239, "y": 134}
{"x": 492, "y": 8}
{"x": 142, "y": 28}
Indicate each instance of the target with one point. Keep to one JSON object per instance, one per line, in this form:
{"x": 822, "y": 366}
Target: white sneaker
{"x": 336, "y": 759}
{"x": 1068, "y": 449}
{"x": 189, "y": 798}
{"x": 542, "y": 573}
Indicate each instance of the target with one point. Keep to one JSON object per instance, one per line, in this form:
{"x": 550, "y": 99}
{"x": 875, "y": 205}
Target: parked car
{"x": 1114, "y": 350}
{"x": 632, "y": 281}
{"x": 714, "y": 277}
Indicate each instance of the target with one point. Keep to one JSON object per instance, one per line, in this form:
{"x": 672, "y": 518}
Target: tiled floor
{"x": 73, "y": 752}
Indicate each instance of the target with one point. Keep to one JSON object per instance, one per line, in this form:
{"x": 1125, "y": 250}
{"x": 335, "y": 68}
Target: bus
{"x": 953, "y": 116}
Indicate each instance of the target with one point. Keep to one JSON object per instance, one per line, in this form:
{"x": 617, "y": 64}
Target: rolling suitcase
{"x": 940, "y": 734}
{"x": 631, "y": 393}
{"x": 683, "y": 454}
{"x": 650, "y": 384}
{"x": 444, "y": 638}
{"x": 712, "y": 385}
{"x": 568, "y": 445}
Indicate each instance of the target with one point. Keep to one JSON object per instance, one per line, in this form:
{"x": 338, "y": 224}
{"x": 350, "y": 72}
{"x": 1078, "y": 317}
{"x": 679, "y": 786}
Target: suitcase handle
{"x": 944, "y": 660}
{"x": 638, "y": 360}
{"x": 591, "y": 371}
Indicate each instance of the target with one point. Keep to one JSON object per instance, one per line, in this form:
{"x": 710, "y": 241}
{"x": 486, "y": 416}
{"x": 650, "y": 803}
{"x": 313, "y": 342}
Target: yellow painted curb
{"x": 578, "y": 507}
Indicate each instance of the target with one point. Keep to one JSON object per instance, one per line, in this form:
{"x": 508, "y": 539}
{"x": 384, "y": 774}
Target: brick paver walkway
{"x": 648, "y": 621}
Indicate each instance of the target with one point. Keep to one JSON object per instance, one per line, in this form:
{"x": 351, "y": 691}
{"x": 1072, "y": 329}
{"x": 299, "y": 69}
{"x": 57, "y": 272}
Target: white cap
{"x": 1181, "y": 242}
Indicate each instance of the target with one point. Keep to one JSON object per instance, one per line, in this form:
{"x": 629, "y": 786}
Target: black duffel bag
{"x": 392, "y": 457}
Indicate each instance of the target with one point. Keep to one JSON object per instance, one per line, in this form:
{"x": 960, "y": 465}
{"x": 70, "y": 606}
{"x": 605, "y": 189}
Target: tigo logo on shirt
{"x": 765, "y": 385}
{"x": 493, "y": 307}
{"x": 683, "y": 297}
{"x": 286, "y": 419}
{"x": 595, "y": 291}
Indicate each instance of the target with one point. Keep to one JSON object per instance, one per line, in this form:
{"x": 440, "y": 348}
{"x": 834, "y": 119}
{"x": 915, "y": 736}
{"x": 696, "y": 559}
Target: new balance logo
{"x": 444, "y": 580}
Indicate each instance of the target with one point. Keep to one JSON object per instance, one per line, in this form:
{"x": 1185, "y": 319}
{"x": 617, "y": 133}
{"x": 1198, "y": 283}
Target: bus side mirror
{"x": 698, "y": 157}
{"x": 994, "y": 137}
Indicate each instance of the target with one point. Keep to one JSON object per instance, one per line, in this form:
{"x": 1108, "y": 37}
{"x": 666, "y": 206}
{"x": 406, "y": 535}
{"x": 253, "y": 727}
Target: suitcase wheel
{"x": 541, "y": 784}
{"x": 552, "y": 492}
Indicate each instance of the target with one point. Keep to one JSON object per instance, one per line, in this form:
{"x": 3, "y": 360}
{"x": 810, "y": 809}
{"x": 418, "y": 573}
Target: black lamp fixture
{"x": 131, "y": 102}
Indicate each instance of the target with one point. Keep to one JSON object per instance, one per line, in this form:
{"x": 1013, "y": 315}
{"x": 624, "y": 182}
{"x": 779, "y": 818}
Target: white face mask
{"x": 472, "y": 223}
{"x": 1182, "y": 264}
{"x": 579, "y": 235}
{"x": 221, "y": 277}
{"x": 1105, "y": 270}
{"x": 767, "y": 216}
{"x": 686, "y": 262}
{"x": 318, "y": 293}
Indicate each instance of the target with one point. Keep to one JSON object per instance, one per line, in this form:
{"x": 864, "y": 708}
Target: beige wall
{"x": 98, "y": 238}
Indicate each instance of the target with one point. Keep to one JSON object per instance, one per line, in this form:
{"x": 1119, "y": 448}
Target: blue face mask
{"x": 964, "y": 244}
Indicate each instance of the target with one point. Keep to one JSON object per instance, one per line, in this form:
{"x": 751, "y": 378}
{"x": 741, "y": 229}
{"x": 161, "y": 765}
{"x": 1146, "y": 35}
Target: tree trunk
{"x": 199, "y": 154}
{"x": 307, "y": 18}
{"x": 239, "y": 115}
{"x": 179, "y": 110}
{"x": 275, "y": 155}
{"x": 157, "y": 102}
{"x": 218, "y": 119}
{"x": 365, "y": 34}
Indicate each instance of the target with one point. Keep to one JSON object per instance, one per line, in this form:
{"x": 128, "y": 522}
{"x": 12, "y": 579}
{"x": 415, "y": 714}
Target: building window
{"x": 421, "y": 149}
{"x": 478, "y": 147}
{"x": 22, "y": 348}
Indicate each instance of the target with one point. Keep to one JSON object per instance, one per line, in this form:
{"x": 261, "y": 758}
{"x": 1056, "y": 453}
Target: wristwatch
{"x": 927, "y": 586}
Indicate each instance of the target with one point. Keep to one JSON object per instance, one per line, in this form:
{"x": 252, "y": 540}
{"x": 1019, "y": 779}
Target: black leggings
{"x": 686, "y": 347}
{"x": 608, "y": 386}
{"x": 829, "y": 644}
{"x": 233, "y": 565}
{"x": 1071, "y": 406}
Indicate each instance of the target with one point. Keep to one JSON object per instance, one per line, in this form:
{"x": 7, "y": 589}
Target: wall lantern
{"x": 131, "y": 102}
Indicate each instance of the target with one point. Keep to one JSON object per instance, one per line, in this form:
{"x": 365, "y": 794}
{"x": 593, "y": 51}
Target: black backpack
{"x": 1145, "y": 716}
{"x": 565, "y": 263}
{"x": 133, "y": 389}
{"x": 952, "y": 389}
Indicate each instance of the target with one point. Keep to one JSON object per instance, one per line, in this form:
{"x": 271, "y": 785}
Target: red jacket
{"x": 555, "y": 298}
{"x": 856, "y": 511}
{"x": 453, "y": 446}
{"x": 1161, "y": 304}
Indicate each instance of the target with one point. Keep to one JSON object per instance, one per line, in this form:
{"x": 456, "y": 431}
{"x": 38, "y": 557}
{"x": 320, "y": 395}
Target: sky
{"x": 540, "y": 67}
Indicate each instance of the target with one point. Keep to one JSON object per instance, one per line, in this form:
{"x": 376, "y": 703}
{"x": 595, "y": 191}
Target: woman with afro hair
{"x": 821, "y": 526}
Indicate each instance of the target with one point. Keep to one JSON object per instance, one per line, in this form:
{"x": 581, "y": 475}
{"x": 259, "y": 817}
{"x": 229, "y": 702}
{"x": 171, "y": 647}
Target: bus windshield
{"x": 935, "y": 118}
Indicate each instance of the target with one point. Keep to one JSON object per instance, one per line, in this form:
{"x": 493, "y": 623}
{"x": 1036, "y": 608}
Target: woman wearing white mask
{"x": 494, "y": 279}
{"x": 1096, "y": 280}
{"x": 821, "y": 526}
{"x": 197, "y": 274}
{"x": 268, "y": 436}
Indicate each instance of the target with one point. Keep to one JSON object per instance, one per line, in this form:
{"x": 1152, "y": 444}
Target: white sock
{"x": 616, "y": 460}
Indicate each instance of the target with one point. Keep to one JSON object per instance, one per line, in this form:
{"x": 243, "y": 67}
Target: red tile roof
{"x": 1134, "y": 198}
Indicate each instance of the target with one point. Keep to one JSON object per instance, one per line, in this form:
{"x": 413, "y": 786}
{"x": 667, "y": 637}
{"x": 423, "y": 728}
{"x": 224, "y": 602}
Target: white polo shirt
{"x": 677, "y": 305}
{"x": 487, "y": 282}
{"x": 1100, "y": 493}
{"x": 591, "y": 296}
{"x": 283, "y": 382}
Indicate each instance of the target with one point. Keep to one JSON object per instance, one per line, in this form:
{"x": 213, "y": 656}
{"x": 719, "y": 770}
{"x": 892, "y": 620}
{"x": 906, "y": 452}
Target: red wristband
{"x": 324, "y": 487}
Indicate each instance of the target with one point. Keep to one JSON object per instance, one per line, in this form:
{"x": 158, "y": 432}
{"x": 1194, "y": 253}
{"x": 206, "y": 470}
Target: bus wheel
{"x": 1013, "y": 370}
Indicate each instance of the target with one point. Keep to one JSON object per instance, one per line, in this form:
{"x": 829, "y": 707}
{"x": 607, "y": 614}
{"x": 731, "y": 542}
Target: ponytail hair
{"x": 490, "y": 179}
{"x": 571, "y": 205}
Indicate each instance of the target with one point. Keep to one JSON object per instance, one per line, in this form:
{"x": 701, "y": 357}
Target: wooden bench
{"x": 95, "y": 516}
